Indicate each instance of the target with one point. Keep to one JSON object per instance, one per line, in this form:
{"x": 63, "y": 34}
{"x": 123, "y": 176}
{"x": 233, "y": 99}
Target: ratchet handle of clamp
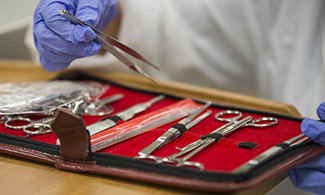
{"x": 215, "y": 136}
{"x": 180, "y": 127}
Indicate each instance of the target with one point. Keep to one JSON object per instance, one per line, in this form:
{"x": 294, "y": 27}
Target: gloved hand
{"x": 310, "y": 176}
{"x": 58, "y": 41}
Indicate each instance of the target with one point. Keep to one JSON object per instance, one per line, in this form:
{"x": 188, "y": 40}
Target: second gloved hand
{"x": 310, "y": 176}
{"x": 58, "y": 41}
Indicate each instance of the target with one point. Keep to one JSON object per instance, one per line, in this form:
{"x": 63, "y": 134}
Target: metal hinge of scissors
{"x": 109, "y": 43}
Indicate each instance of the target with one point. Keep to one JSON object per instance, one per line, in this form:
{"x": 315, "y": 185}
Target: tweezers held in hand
{"x": 108, "y": 43}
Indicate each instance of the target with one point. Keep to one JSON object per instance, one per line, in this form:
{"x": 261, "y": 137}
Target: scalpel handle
{"x": 103, "y": 125}
{"x": 258, "y": 159}
{"x": 269, "y": 153}
{"x": 130, "y": 112}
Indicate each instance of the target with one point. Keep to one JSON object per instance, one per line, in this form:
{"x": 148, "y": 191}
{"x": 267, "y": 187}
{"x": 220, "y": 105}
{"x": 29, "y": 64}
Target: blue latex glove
{"x": 310, "y": 176}
{"x": 58, "y": 41}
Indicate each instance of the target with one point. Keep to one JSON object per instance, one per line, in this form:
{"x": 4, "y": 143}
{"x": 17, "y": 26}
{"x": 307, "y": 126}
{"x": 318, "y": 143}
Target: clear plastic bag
{"x": 44, "y": 97}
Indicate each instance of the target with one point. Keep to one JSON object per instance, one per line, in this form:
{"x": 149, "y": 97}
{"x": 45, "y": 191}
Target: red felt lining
{"x": 222, "y": 156}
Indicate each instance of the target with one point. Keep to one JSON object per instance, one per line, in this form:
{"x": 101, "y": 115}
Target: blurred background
{"x": 15, "y": 16}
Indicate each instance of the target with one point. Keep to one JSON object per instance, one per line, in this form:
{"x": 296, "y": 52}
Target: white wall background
{"x": 15, "y": 15}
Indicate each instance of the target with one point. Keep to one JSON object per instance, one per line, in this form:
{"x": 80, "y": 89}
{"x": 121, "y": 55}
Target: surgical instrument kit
{"x": 161, "y": 135}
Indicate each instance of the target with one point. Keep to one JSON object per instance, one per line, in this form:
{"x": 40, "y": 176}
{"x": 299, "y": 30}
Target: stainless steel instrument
{"x": 110, "y": 43}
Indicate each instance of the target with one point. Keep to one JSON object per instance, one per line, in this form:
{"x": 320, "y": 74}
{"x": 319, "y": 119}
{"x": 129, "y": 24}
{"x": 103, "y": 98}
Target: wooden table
{"x": 23, "y": 176}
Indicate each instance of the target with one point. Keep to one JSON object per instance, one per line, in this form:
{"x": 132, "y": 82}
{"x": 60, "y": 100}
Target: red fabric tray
{"x": 223, "y": 156}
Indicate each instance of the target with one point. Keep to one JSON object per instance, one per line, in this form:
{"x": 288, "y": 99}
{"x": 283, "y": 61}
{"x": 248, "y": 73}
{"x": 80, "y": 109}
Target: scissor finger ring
{"x": 219, "y": 115}
{"x": 269, "y": 121}
{"x": 10, "y": 123}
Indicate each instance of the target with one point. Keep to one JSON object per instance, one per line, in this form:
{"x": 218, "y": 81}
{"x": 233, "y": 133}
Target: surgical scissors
{"x": 108, "y": 43}
{"x": 233, "y": 124}
{"x": 41, "y": 126}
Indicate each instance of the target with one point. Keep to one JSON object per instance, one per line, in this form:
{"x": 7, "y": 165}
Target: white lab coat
{"x": 268, "y": 48}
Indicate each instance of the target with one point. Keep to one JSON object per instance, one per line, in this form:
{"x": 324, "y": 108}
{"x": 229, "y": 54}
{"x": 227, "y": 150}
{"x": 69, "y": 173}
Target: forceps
{"x": 172, "y": 133}
{"x": 233, "y": 124}
{"x": 108, "y": 43}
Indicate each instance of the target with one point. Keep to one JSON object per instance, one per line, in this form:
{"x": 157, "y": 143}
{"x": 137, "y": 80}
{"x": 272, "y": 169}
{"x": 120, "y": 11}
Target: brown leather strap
{"x": 71, "y": 131}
